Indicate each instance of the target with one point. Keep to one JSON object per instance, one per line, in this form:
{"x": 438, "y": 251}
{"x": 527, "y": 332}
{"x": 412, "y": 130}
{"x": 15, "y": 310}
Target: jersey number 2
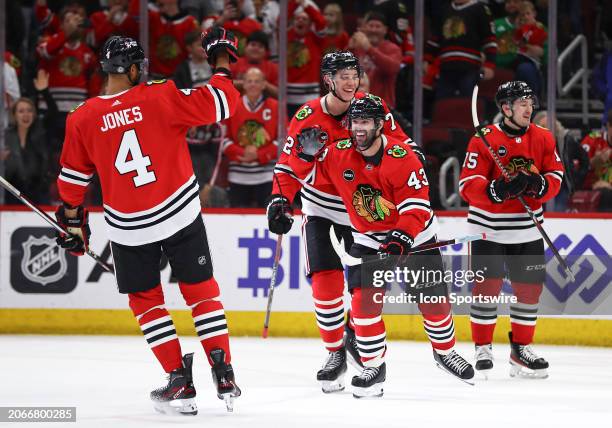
{"x": 129, "y": 158}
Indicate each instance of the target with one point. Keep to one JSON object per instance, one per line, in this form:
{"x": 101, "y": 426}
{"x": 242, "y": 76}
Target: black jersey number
{"x": 129, "y": 158}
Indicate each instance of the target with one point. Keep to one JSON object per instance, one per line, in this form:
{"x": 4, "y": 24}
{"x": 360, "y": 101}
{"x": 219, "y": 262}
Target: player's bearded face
{"x": 363, "y": 132}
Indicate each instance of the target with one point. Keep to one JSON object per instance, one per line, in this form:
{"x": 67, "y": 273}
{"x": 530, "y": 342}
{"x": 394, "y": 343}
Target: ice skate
{"x": 370, "y": 382}
{"x": 456, "y": 365}
{"x": 332, "y": 374}
{"x": 178, "y": 397}
{"x": 484, "y": 359}
{"x": 525, "y": 363}
{"x": 223, "y": 377}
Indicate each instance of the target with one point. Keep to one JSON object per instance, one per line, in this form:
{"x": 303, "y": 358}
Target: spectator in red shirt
{"x": 167, "y": 30}
{"x": 334, "y": 36}
{"x": 598, "y": 146}
{"x": 304, "y": 52}
{"x": 380, "y": 59}
{"x": 113, "y": 22}
{"x": 234, "y": 20}
{"x": 256, "y": 55}
{"x": 251, "y": 144}
{"x": 530, "y": 37}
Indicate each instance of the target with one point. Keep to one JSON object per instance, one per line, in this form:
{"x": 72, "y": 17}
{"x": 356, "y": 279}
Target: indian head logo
{"x": 369, "y": 203}
{"x": 38, "y": 265}
{"x": 519, "y": 163}
{"x": 252, "y": 133}
{"x": 43, "y": 261}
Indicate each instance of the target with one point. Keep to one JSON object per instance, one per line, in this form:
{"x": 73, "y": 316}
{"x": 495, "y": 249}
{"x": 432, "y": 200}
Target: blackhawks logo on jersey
{"x": 298, "y": 54}
{"x": 252, "y": 133}
{"x": 519, "y": 163}
{"x": 453, "y": 28}
{"x": 397, "y": 151}
{"x": 167, "y": 48}
{"x": 483, "y": 131}
{"x": 369, "y": 203}
{"x": 344, "y": 144}
{"x": 156, "y": 82}
{"x": 303, "y": 113}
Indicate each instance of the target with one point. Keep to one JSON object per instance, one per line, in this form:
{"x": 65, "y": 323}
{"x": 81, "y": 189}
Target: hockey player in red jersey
{"x": 529, "y": 154}
{"x": 322, "y": 208}
{"x": 134, "y": 139}
{"x": 385, "y": 190}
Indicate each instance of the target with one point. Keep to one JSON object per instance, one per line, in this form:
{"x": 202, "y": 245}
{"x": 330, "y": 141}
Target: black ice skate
{"x": 350, "y": 343}
{"x": 456, "y": 365}
{"x": 223, "y": 377}
{"x": 525, "y": 363}
{"x": 484, "y": 359}
{"x": 178, "y": 397}
{"x": 331, "y": 375}
{"x": 370, "y": 382}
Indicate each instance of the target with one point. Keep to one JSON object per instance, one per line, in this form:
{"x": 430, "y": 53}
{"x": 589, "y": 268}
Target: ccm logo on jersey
{"x": 121, "y": 118}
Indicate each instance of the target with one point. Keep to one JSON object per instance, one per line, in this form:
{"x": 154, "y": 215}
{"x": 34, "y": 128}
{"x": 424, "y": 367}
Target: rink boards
{"x": 44, "y": 290}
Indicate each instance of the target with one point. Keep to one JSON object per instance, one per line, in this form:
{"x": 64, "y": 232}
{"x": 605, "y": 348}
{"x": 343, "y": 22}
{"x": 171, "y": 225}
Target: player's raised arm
{"x": 217, "y": 100}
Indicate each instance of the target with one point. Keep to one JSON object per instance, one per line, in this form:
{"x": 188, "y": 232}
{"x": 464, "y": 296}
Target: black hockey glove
{"x": 396, "y": 243}
{"x": 310, "y": 143}
{"x": 218, "y": 39}
{"x": 536, "y": 185}
{"x": 280, "y": 214}
{"x": 77, "y": 242}
{"x": 500, "y": 190}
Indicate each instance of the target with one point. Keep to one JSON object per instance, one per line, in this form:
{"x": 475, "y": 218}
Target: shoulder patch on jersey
{"x": 374, "y": 97}
{"x": 156, "y": 82}
{"x": 344, "y": 144}
{"x": 595, "y": 134}
{"x": 397, "y": 151}
{"x": 484, "y": 131}
{"x": 77, "y": 106}
{"x": 187, "y": 91}
{"x": 303, "y": 113}
{"x": 369, "y": 203}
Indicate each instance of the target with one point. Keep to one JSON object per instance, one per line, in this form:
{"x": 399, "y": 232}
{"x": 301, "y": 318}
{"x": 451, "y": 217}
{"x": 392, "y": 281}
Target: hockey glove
{"x": 77, "y": 242}
{"x": 217, "y": 40}
{"x": 500, "y": 190}
{"x": 536, "y": 185}
{"x": 396, "y": 243}
{"x": 280, "y": 214}
{"x": 310, "y": 143}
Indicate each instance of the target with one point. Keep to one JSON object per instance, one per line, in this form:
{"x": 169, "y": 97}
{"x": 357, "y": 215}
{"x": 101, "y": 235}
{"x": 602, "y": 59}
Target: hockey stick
{"x": 8, "y": 186}
{"x": 349, "y": 260}
{"x": 506, "y": 175}
{"x": 277, "y": 254}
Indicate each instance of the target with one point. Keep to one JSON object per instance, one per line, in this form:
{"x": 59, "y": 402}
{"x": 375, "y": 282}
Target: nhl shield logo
{"x": 38, "y": 265}
{"x": 43, "y": 261}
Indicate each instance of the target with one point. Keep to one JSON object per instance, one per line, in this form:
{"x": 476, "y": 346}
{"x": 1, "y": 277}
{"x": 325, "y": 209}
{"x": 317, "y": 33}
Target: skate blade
{"x": 373, "y": 391}
{"x": 519, "y": 371}
{"x": 185, "y": 406}
{"x": 356, "y": 364}
{"x": 444, "y": 369}
{"x": 331, "y": 386}
{"x": 229, "y": 398}
{"x": 484, "y": 373}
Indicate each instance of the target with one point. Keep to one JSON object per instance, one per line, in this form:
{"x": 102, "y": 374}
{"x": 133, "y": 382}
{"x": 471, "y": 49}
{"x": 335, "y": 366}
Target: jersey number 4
{"x": 129, "y": 158}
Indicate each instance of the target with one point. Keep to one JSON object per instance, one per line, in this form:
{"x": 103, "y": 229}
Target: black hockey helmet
{"x": 119, "y": 53}
{"x": 366, "y": 108}
{"x": 514, "y": 90}
{"x": 335, "y": 61}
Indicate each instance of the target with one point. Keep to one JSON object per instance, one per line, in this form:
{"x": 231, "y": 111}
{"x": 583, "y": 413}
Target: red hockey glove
{"x": 218, "y": 39}
{"x": 78, "y": 241}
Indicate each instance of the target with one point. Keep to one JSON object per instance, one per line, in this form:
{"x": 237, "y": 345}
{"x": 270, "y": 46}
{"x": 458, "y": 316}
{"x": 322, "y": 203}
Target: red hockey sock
{"x": 439, "y": 326}
{"x": 369, "y": 328}
{"x": 524, "y": 313}
{"x": 208, "y": 315}
{"x": 157, "y": 327}
{"x": 483, "y": 316}
{"x": 327, "y": 294}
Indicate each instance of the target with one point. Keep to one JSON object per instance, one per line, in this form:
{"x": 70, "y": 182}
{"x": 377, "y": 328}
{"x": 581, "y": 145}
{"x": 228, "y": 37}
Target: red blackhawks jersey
{"x": 135, "y": 142}
{"x": 391, "y": 195}
{"x": 252, "y": 126}
{"x": 319, "y": 198}
{"x": 507, "y": 222}
{"x": 167, "y": 44}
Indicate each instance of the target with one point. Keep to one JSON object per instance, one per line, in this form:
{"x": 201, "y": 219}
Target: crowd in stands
{"x": 51, "y": 66}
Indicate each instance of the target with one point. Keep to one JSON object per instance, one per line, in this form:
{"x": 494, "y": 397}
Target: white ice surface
{"x": 108, "y": 379}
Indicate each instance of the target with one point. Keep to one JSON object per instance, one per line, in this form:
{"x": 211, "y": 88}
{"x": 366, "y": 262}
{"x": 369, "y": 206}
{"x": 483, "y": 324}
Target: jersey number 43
{"x": 129, "y": 158}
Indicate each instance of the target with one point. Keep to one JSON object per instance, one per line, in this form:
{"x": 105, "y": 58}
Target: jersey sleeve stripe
{"x": 284, "y": 169}
{"x": 72, "y": 179}
{"x": 76, "y": 174}
{"x": 556, "y": 174}
{"x": 414, "y": 207}
{"x": 223, "y": 102}
{"x": 413, "y": 202}
{"x": 217, "y": 103}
